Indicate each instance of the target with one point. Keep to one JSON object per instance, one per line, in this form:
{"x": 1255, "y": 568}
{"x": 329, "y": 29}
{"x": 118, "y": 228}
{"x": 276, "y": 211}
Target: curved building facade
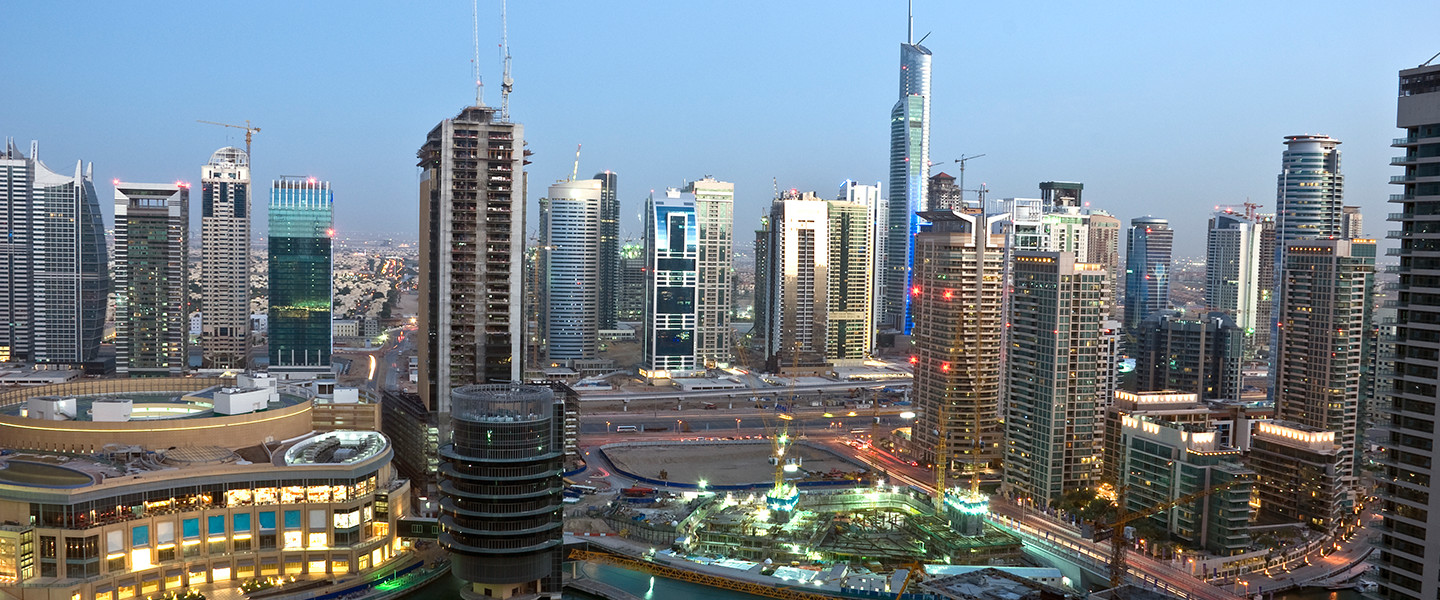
{"x": 131, "y": 523}
{"x": 501, "y": 488}
{"x": 570, "y": 251}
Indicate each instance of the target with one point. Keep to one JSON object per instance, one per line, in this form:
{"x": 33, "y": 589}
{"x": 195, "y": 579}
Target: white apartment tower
{"x": 715, "y": 214}
{"x": 1232, "y": 268}
{"x": 570, "y": 266}
{"x": 225, "y": 259}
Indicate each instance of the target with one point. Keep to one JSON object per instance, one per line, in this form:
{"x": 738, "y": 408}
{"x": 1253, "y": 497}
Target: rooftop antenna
{"x": 1432, "y": 59}
{"x": 475, "y": 62}
{"x": 910, "y": 16}
{"x": 575, "y": 172}
{"x": 506, "y": 82}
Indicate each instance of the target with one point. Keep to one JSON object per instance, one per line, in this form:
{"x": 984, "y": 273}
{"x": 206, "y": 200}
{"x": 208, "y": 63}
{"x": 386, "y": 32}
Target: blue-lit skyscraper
{"x": 909, "y": 179}
{"x": 1147, "y": 269}
{"x": 301, "y": 230}
{"x": 672, "y": 248}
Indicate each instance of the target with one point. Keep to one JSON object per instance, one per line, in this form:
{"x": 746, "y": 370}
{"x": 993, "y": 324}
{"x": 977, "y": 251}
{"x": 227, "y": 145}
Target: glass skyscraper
{"x": 672, "y": 244}
{"x": 301, "y": 279}
{"x": 152, "y": 226}
{"x": 909, "y": 180}
{"x": 1147, "y": 269}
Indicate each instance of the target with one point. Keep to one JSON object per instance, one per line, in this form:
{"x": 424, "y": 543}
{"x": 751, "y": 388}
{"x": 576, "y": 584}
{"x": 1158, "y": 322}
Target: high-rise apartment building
{"x": 909, "y": 179}
{"x": 1062, "y": 193}
{"x": 225, "y": 259}
{"x": 958, "y": 294}
{"x": 472, "y": 224}
{"x": 1265, "y": 285}
{"x": 870, "y": 197}
{"x": 1409, "y": 558}
{"x": 53, "y": 279}
{"x": 570, "y": 262}
{"x": 1309, "y": 201}
{"x": 1052, "y": 414}
{"x": 302, "y": 232}
{"x": 152, "y": 225}
{"x": 1199, "y": 356}
{"x": 672, "y": 251}
{"x": 1147, "y": 269}
{"x": 610, "y": 270}
{"x": 1232, "y": 267}
{"x": 1103, "y": 248}
{"x": 631, "y": 302}
{"x": 944, "y": 194}
{"x": 1323, "y": 340}
{"x": 1351, "y": 222}
{"x": 715, "y": 214}
{"x": 819, "y": 292}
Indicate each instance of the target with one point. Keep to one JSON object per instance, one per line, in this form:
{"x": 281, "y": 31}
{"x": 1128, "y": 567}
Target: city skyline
{"x": 1129, "y": 98}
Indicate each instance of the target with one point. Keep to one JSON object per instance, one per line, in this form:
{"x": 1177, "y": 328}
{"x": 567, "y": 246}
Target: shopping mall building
{"x": 185, "y": 487}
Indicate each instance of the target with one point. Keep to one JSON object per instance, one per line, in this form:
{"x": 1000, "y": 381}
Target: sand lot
{"x": 719, "y": 463}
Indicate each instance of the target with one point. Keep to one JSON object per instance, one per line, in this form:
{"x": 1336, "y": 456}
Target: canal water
{"x": 660, "y": 588}
{"x": 640, "y": 584}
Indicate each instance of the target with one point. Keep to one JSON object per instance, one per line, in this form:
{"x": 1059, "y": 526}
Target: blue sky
{"x": 1160, "y": 108}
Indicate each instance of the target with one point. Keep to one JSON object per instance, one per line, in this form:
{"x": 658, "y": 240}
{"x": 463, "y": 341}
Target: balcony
{"x": 1402, "y": 141}
{"x": 1403, "y": 160}
{"x": 1397, "y": 234}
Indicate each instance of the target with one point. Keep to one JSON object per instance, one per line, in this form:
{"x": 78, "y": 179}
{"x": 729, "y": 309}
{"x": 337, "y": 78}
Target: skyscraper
{"x": 878, "y": 209}
{"x": 959, "y": 331}
{"x": 909, "y": 177}
{"x": 943, "y": 193}
{"x": 715, "y": 215}
{"x": 1309, "y": 200}
{"x": 1062, "y": 193}
{"x": 301, "y": 275}
{"x": 1103, "y": 248}
{"x": 472, "y": 223}
{"x": 819, "y": 292}
{"x": 54, "y": 280}
{"x": 1147, "y": 269}
{"x": 1232, "y": 268}
{"x": 1265, "y": 284}
{"x": 1052, "y": 415}
{"x": 672, "y": 249}
{"x": 1196, "y": 356}
{"x": 1409, "y": 558}
{"x": 1351, "y": 222}
{"x": 570, "y": 241}
{"x": 610, "y": 269}
{"x": 152, "y": 225}
{"x": 631, "y": 301}
{"x": 225, "y": 259}
{"x": 1323, "y": 343}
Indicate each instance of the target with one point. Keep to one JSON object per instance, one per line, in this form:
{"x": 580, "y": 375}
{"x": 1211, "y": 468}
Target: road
{"x": 1048, "y": 531}
{"x": 805, "y": 389}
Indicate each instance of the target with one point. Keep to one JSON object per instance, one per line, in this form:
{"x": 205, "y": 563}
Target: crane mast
{"x": 249, "y": 131}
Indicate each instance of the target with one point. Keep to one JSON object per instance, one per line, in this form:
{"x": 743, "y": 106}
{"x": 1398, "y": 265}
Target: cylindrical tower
{"x": 500, "y": 490}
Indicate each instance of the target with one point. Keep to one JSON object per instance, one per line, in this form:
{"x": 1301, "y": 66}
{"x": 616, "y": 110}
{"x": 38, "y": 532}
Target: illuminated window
{"x": 340, "y": 566}
{"x": 317, "y": 540}
{"x": 220, "y": 573}
{"x": 316, "y": 567}
{"x": 140, "y": 559}
{"x": 294, "y": 540}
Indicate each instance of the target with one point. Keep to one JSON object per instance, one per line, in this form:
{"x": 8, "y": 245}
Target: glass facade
{"x": 909, "y": 179}
{"x": 671, "y": 315}
{"x": 301, "y": 231}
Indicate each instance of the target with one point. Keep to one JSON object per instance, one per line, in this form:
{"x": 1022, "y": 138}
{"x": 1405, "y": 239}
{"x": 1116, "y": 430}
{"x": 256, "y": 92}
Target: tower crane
{"x": 1123, "y": 517}
{"x": 249, "y": 131}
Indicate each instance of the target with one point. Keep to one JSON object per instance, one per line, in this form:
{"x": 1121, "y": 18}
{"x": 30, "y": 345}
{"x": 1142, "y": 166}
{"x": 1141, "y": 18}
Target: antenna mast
{"x": 506, "y": 82}
{"x": 576, "y": 171}
{"x": 475, "y": 62}
{"x": 910, "y": 16}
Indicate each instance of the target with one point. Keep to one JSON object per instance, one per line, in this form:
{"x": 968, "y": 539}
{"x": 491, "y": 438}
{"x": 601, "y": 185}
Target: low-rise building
{"x": 1300, "y": 472}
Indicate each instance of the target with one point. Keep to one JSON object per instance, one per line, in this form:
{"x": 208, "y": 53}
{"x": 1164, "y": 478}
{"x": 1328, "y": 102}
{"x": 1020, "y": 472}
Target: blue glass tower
{"x": 909, "y": 180}
{"x": 672, "y": 240}
{"x": 301, "y": 231}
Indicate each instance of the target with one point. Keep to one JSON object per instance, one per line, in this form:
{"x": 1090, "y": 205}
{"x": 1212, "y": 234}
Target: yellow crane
{"x": 1123, "y": 517}
{"x": 249, "y": 131}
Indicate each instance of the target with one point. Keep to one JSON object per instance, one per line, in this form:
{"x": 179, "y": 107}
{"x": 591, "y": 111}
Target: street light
{"x": 607, "y": 427}
{"x": 737, "y": 425}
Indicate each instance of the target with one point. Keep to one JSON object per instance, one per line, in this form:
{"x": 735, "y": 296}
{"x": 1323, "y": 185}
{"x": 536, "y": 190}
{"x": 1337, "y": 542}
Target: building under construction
{"x": 862, "y": 526}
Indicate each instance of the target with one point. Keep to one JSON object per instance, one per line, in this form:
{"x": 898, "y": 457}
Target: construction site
{"x": 753, "y": 509}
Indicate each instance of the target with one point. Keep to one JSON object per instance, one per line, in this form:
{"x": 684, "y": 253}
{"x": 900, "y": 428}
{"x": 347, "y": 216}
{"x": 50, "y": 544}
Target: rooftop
{"x": 153, "y": 405}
